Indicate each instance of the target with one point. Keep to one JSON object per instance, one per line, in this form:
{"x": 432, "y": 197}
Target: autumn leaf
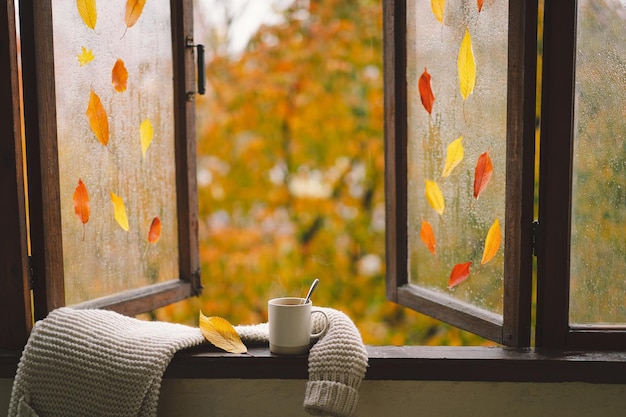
{"x": 480, "y": 5}
{"x": 482, "y": 173}
{"x": 81, "y": 204}
{"x": 119, "y": 211}
{"x": 459, "y": 273}
{"x": 98, "y": 119}
{"x": 434, "y": 197}
{"x": 454, "y": 156}
{"x": 133, "y": 11}
{"x": 119, "y": 76}
{"x": 87, "y": 11}
{"x": 146, "y": 133}
{"x": 155, "y": 230}
{"x": 466, "y": 66}
{"x": 426, "y": 92}
{"x": 154, "y": 233}
{"x": 492, "y": 242}
{"x": 438, "y": 7}
{"x": 85, "y": 56}
{"x": 428, "y": 236}
{"x": 222, "y": 334}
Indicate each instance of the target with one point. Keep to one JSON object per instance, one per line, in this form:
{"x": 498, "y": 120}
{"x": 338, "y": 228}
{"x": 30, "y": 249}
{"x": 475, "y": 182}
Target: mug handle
{"x": 324, "y": 329}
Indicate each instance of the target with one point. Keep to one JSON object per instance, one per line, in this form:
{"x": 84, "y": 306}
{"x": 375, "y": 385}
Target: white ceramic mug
{"x": 290, "y": 325}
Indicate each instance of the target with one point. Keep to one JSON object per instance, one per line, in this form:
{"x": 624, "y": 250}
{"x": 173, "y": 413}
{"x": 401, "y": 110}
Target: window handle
{"x": 201, "y": 70}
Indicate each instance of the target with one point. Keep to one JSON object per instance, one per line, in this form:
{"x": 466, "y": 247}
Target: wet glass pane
{"x": 598, "y": 257}
{"x": 457, "y": 147}
{"x": 114, "y": 93}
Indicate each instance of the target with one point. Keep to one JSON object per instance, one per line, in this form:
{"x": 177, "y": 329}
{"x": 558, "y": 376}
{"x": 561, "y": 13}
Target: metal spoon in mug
{"x": 308, "y": 296}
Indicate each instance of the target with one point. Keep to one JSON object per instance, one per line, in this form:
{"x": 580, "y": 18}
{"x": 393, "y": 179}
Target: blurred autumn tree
{"x": 290, "y": 173}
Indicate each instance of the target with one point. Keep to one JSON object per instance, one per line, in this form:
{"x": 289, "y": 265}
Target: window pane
{"x": 457, "y": 148}
{"x": 598, "y": 287}
{"x": 114, "y": 94}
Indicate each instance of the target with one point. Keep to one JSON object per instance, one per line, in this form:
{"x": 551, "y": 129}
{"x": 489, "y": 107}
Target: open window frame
{"x": 46, "y": 260}
{"x": 554, "y": 330}
{"x": 512, "y": 328}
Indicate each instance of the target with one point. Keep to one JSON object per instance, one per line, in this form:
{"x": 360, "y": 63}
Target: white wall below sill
{"x": 284, "y": 397}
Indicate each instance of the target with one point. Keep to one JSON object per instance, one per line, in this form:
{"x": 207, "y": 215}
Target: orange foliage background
{"x": 291, "y": 176}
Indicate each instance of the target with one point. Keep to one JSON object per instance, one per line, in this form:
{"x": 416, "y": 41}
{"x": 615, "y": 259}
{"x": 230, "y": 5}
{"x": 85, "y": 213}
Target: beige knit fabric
{"x": 100, "y": 363}
{"x": 337, "y": 364}
{"x": 95, "y": 363}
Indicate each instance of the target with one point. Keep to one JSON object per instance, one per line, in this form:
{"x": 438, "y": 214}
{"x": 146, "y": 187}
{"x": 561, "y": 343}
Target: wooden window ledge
{"x": 406, "y": 363}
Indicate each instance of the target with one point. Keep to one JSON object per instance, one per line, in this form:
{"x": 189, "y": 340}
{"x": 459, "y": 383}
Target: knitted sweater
{"x": 97, "y": 362}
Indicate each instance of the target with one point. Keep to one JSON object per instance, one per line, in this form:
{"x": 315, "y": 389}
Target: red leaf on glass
{"x": 426, "y": 92}
{"x": 482, "y": 173}
{"x": 459, "y": 273}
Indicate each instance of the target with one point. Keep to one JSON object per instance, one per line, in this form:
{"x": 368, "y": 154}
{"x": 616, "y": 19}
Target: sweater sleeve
{"x": 337, "y": 365}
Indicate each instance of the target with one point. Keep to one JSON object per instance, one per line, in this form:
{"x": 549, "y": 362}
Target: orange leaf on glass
{"x": 482, "y": 173}
{"x": 119, "y": 76}
{"x": 155, "y": 230}
{"x": 133, "y": 11}
{"x": 428, "y": 236}
{"x": 492, "y": 242}
{"x": 426, "y": 92}
{"x": 480, "y": 5}
{"x": 98, "y": 120}
{"x": 154, "y": 233}
{"x": 459, "y": 273}
{"x": 81, "y": 204}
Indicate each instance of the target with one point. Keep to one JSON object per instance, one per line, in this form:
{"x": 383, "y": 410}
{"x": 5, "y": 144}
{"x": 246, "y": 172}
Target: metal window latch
{"x": 201, "y": 68}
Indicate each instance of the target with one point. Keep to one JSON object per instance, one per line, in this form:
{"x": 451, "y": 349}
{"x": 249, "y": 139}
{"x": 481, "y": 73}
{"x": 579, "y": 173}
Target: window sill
{"x": 405, "y": 363}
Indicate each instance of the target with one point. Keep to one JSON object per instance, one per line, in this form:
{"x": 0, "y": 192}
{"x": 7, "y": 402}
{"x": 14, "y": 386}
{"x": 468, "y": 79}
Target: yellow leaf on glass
{"x": 146, "y": 133}
{"x": 119, "y": 211}
{"x": 87, "y": 11}
{"x": 454, "y": 156}
{"x": 221, "y": 334}
{"x": 119, "y": 76}
{"x": 466, "y": 66}
{"x": 434, "y": 197}
{"x": 98, "y": 120}
{"x": 492, "y": 242}
{"x": 438, "y": 7}
{"x": 85, "y": 56}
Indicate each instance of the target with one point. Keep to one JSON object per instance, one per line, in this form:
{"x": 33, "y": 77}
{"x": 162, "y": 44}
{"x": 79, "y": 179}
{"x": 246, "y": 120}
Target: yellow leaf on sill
{"x": 222, "y": 334}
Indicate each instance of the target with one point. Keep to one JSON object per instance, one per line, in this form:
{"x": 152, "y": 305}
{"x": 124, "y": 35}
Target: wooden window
{"x": 576, "y": 278}
{"x": 108, "y": 104}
